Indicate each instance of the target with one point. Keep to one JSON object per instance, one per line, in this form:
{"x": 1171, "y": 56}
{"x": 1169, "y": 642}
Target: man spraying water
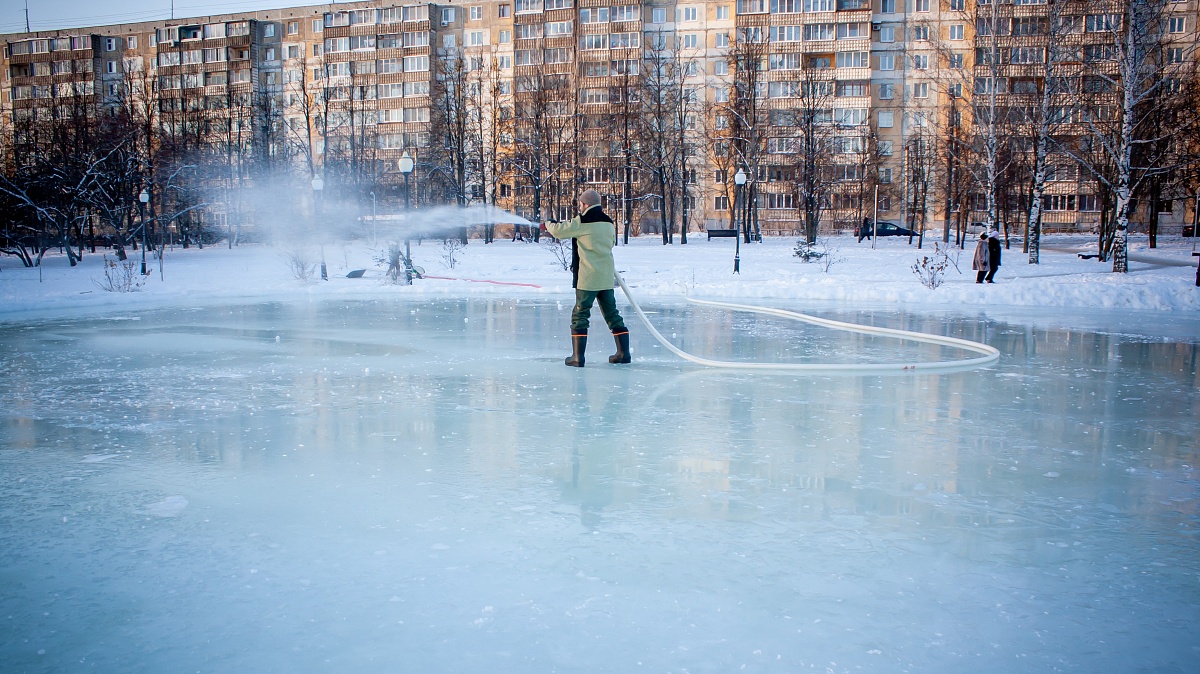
{"x": 592, "y": 272}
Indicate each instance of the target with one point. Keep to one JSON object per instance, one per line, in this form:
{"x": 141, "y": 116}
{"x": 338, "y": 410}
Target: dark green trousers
{"x": 583, "y": 310}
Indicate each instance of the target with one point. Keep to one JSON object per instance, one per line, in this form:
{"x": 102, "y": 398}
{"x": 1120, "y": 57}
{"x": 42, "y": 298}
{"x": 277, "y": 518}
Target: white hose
{"x": 990, "y": 354}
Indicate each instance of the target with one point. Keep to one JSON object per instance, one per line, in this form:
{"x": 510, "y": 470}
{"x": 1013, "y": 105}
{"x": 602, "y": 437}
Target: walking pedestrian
{"x": 993, "y": 244}
{"x": 980, "y": 263}
{"x": 592, "y": 273}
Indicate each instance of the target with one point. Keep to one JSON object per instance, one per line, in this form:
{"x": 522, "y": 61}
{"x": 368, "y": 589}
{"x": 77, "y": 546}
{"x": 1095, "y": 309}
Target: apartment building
{"x": 360, "y": 82}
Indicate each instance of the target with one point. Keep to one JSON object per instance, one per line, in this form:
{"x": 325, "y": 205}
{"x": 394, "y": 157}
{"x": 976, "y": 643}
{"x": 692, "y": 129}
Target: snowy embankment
{"x": 1160, "y": 280}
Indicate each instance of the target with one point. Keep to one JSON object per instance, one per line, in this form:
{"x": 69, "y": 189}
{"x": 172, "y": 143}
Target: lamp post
{"x": 318, "y": 185}
{"x": 374, "y": 233}
{"x": 406, "y": 167}
{"x": 143, "y": 199}
{"x": 739, "y": 179}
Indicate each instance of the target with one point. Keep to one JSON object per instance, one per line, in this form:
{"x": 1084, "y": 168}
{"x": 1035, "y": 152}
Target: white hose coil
{"x": 990, "y": 354}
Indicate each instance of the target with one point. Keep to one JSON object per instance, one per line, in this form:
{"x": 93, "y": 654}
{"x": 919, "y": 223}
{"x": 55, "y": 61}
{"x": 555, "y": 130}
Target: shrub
{"x": 120, "y": 276}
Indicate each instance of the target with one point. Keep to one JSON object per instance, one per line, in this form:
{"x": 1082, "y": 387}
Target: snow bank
{"x": 1161, "y": 280}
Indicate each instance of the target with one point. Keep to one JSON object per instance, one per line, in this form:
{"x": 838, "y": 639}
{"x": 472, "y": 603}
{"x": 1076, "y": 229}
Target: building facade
{"x": 523, "y": 102}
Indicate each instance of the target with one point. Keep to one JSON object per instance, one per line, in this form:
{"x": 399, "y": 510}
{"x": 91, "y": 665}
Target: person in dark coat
{"x": 993, "y": 244}
{"x": 981, "y": 260}
{"x": 593, "y": 271}
{"x": 864, "y": 232}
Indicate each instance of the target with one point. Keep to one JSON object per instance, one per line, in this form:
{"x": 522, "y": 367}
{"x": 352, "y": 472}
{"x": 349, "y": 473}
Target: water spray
{"x": 988, "y": 353}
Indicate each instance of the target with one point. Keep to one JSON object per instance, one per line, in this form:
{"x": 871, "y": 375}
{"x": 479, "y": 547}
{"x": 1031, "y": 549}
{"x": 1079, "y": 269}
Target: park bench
{"x": 722, "y": 234}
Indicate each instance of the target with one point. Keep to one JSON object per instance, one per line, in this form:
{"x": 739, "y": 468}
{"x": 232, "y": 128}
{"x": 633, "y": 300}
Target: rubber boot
{"x": 578, "y": 345}
{"x": 622, "y": 354}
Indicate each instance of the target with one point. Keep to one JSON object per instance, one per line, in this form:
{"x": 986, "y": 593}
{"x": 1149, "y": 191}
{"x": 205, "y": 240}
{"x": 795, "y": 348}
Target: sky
{"x": 50, "y": 14}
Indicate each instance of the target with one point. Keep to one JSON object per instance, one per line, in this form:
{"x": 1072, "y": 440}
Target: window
{"x": 132, "y": 42}
{"x": 449, "y": 41}
{"x": 887, "y": 61}
{"x": 556, "y": 28}
{"x": 920, "y": 61}
{"x": 658, "y": 15}
{"x": 503, "y": 11}
{"x": 921, "y": 33}
{"x": 819, "y": 5}
{"x": 624, "y": 40}
{"x": 269, "y": 30}
{"x": 476, "y": 12}
{"x": 885, "y": 150}
{"x": 110, "y": 67}
{"x": 593, "y": 15}
{"x": 887, "y": 34}
{"x": 214, "y": 55}
{"x": 317, "y": 26}
{"x": 477, "y": 38}
{"x": 1097, "y": 23}
{"x": 270, "y": 54}
{"x": 957, "y": 31}
{"x": 887, "y": 92}
{"x": 921, "y": 90}
{"x": 720, "y": 68}
{"x": 293, "y": 27}
{"x": 1175, "y": 55}
{"x": 416, "y": 39}
{"x": 1025, "y": 55}
{"x": 625, "y": 13}
{"x": 593, "y": 96}
{"x": 529, "y": 31}
{"x": 958, "y": 5}
{"x": 921, "y": 5}
{"x": 850, "y": 116}
{"x": 415, "y": 13}
{"x": 595, "y": 41}
{"x": 1175, "y": 24}
{"x": 852, "y": 88}
{"x": 722, "y": 12}
{"x": 523, "y": 6}
{"x": 722, "y": 39}
{"x": 414, "y": 64}
{"x": 721, "y": 94}
{"x": 853, "y": 59}
{"x": 955, "y": 61}
{"x": 783, "y": 62}
{"x": 110, "y": 44}
{"x": 851, "y": 31}
{"x": 558, "y": 4}
{"x": 1058, "y": 202}
{"x": 505, "y": 62}
{"x": 814, "y": 31}
{"x": 685, "y": 14}
{"x": 447, "y": 16}
{"x": 1088, "y": 202}
{"x": 689, "y": 40}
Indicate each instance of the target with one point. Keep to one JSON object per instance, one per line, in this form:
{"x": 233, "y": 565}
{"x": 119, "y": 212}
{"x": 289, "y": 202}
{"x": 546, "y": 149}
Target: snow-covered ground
{"x": 1160, "y": 280}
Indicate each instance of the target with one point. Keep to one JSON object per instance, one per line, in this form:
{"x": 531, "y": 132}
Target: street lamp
{"x": 318, "y": 185}
{"x": 143, "y": 199}
{"x": 406, "y": 167}
{"x": 739, "y": 179}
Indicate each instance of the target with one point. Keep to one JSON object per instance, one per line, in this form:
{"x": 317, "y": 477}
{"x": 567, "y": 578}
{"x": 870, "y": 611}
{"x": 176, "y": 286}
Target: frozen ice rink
{"x": 381, "y": 486}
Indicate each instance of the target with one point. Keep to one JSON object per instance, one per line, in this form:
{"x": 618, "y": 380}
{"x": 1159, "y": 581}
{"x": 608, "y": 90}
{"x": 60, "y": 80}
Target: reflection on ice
{"x": 424, "y": 487}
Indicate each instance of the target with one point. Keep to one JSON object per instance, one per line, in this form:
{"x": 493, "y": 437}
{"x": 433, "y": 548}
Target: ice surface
{"x": 384, "y": 485}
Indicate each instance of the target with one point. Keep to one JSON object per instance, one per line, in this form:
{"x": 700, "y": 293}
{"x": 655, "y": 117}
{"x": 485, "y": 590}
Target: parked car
{"x": 892, "y": 229}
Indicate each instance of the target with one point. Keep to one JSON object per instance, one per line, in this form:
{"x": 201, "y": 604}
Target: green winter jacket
{"x": 594, "y": 240}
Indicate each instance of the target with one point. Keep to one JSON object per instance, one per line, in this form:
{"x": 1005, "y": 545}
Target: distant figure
{"x": 993, "y": 244}
{"x": 982, "y": 258}
{"x": 592, "y": 272}
{"x": 865, "y": 231}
